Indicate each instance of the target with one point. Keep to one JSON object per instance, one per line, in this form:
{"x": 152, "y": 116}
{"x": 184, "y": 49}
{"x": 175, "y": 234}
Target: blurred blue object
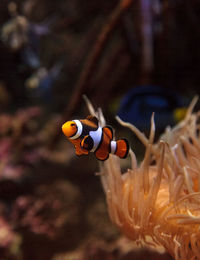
{"x": 140, "y": 102}
{"x": 30, "y": 57}
{"x": 24, "y": 37}
{"x": 30, "y": 51}
{"x": 42, "y": 81}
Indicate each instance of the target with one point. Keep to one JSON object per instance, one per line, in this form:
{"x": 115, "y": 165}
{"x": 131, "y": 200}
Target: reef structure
{"x": 160, "y": 197}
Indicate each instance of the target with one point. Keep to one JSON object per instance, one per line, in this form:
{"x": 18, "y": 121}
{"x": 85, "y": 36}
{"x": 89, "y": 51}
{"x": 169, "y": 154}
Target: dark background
{"x": 51, "y": 53}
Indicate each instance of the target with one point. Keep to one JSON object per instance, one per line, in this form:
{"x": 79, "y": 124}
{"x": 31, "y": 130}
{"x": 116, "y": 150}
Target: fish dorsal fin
{"x": 93, "y": 119}
{"x": 108, "y": 131}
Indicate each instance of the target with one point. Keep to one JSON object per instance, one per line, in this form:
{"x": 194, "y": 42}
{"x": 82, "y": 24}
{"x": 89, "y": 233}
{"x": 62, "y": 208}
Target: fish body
{"x": 87, "y": 136}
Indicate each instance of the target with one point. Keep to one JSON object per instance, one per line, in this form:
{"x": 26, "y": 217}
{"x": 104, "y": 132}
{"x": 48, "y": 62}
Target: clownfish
{"x": 87, "y": 136}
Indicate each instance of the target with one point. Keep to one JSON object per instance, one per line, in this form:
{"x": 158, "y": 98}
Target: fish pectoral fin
{"x": 87, "y": 143}
{"x": 108, "y": 131}
{"x": 78, "y": 151}
{"x": 93, "y": 119}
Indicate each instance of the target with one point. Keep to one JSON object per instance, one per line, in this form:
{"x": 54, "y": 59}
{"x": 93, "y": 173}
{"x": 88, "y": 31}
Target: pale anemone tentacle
{"x": 140, "y": 135}
{"x": 89, "y": 105}
{"x": 159, "y": 198}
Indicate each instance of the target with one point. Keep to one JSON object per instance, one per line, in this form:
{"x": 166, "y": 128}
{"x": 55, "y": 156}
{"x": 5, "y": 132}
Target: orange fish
{"x": 87, "y": 136}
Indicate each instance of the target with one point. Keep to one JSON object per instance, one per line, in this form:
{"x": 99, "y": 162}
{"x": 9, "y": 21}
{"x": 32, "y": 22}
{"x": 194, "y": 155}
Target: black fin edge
{"x": 88, "y": 137}
{"x": 102, "y": 160}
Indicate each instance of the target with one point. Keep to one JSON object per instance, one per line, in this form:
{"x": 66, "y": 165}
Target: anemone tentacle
{"x": 160, "y": 197}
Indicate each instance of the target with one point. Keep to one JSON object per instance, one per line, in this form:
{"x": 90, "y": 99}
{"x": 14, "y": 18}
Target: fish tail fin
{"x": 122, "y": 148}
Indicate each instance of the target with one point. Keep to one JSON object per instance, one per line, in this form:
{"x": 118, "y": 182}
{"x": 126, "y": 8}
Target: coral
{"x": 48, "y": 210}
{"x": 24, "y": 141}
{"x": 28, "y": 203}
{"x": 159, "y": 199}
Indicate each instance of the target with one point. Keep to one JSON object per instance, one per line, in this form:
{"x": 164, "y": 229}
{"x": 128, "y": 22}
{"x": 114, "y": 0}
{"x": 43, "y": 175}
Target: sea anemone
{"x": 160, "y": 198}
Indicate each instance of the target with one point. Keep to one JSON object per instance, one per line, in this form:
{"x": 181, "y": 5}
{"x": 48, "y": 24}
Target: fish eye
{"x": 73, "y": 124}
